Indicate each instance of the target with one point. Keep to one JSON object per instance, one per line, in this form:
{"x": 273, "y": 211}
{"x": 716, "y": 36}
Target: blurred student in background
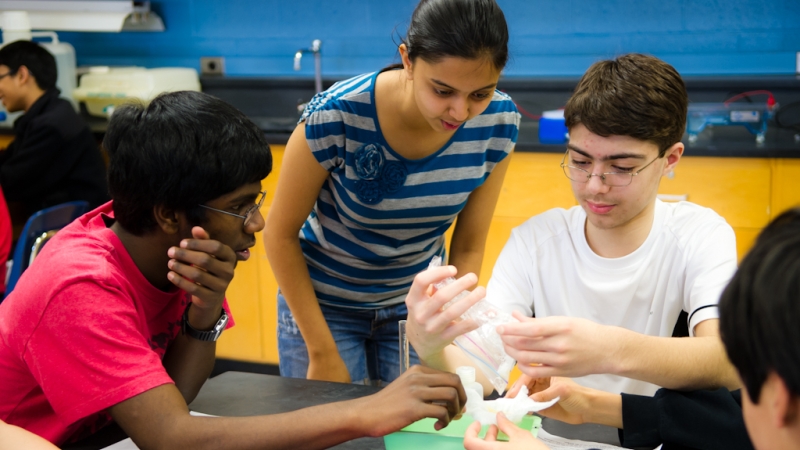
{"x": 54, "y": 157}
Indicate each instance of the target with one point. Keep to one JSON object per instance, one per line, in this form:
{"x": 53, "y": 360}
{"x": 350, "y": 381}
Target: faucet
{"x": 315, "y": 49}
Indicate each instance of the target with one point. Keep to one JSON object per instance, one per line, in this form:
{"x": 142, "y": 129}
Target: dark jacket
{"x": 54, "y": 158}
{"x": 704, "y": 420}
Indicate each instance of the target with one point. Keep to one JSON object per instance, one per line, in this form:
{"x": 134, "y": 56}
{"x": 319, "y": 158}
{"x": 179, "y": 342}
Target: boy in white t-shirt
{"x": 608, "y": 279}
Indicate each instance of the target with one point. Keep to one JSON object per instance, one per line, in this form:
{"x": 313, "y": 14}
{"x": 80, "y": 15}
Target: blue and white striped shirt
{"x": 380, "y": 218}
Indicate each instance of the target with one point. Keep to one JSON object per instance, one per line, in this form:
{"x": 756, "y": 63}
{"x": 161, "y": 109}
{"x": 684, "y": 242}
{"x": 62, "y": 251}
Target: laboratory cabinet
{"x": 747, "y": 192}
{"x": 785, "y": 185}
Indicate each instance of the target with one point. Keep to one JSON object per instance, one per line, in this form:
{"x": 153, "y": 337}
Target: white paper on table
{"x": 560, "y": 443}
{"x": 128, "y": 444}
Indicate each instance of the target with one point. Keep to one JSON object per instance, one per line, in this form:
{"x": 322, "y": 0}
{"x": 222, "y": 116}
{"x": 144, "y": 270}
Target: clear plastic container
{"x": 483, "y": 345}
{"x": 105, "y": 88}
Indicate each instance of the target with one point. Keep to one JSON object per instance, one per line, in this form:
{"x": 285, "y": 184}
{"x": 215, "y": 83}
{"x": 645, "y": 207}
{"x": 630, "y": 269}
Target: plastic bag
{"x": 483, "y": 345}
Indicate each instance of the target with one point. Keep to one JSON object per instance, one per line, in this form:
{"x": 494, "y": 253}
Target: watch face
{"x": 222, "y": 322}
{"x": 210, "y": 335}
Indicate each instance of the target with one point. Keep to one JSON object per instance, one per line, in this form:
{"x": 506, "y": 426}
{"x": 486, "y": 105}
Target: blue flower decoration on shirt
{"x": 393, "y": 176}
{"x": 369, "y": 191}
{"x": 377, "y": 176}
{"x": 369, "y": 161}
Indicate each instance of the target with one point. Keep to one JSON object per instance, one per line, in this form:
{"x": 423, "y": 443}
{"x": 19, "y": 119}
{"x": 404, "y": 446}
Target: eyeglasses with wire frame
{"x": 615, "y": 179}
{"x": 248, "y": 215}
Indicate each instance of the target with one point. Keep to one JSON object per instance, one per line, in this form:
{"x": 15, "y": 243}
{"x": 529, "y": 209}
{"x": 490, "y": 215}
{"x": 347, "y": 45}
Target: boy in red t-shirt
{"x": 118, "y": 316}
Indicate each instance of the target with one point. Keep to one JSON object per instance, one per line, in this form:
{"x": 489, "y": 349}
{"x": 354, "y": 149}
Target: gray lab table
{"x": 250, "y": 394}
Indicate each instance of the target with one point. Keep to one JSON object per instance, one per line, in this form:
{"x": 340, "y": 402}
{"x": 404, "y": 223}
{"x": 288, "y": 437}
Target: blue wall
{"x": 548, "y": 37}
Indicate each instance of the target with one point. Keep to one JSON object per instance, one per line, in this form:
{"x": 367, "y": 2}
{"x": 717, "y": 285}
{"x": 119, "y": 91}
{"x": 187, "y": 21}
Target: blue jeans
{"x": 367, "y": 340}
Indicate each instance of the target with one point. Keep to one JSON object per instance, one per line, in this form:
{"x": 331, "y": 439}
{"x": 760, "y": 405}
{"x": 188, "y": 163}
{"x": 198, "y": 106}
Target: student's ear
{"x": 167, "y": 219}
{"x": 24, "y": 76}
{"x": 407, "y": 67}
{"x": 785, "y": 405}
{"x": 673, "y": 155}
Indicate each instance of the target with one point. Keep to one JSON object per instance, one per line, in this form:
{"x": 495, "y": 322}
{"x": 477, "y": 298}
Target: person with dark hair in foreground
{"x": 54, "y": 157}
{"x": 759, "y": 313}
{"x": 119, "y": 315}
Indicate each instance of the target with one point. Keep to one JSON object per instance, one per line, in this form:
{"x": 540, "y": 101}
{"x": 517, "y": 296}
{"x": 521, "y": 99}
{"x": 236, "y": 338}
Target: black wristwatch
{"x": 209, "y": 336}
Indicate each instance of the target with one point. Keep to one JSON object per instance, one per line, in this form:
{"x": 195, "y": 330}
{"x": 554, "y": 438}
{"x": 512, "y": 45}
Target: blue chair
{"x": 39, "y": 228}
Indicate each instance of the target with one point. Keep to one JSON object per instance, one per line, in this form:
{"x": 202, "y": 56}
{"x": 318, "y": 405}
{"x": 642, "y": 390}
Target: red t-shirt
{"x": 82, "y": 331}
{"x": 5, "y": 239}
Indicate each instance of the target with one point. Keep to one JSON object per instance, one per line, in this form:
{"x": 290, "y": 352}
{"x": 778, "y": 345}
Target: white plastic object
{"x": 483, "y": 345}
{"x": 16, "y": 26}
{"x": 104, "y": 88}
{"x": 64, "y": 53}
{"x": 513, "y": 408}
{"x": 473, "y": 389}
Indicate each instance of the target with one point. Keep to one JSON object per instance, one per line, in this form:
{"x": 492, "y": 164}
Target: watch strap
{"x": 208, "y": 336}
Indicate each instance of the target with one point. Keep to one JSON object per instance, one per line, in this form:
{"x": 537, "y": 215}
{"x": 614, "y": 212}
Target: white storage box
{"x": 104, "y": 88}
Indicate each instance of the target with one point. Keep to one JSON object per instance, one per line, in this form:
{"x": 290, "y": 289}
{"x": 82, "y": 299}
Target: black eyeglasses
{"x": 7, "y": 74}
{"x": 248, "y": 215}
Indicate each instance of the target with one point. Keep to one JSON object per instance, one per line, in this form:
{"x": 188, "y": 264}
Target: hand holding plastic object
{"x": 429, "y": 328}
{"x": 579, "y": 404}
{"x": 562, "y": 346}
{"x": 483, "y": 345}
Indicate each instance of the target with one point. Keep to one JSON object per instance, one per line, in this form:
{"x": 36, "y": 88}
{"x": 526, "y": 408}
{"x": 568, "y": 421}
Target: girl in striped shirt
{"x": 379, "y": 167}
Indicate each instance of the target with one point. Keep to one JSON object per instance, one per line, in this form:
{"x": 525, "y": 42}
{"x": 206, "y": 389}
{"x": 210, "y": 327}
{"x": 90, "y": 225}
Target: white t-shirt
{"x": 547, "y": 267}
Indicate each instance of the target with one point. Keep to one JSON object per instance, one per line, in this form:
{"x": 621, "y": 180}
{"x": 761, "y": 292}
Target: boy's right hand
{"x": 429, "y": 328}
{"x": 418, "y": 393}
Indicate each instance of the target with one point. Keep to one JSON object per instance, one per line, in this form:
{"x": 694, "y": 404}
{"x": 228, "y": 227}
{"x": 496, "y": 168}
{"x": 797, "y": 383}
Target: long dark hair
{"x": 468, "y": 29}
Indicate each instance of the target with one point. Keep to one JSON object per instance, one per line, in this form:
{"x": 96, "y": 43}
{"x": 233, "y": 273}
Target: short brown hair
{"x": 633, "y": 95}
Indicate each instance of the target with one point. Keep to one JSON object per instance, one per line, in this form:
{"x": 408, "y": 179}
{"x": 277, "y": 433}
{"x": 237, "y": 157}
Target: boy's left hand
{"x": 561, "y": 346}
{"x": 203, "y": 268}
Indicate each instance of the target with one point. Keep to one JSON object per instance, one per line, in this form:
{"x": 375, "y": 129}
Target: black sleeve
{"x": 708, "y": 420}
{"x": 27, "y": 171}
